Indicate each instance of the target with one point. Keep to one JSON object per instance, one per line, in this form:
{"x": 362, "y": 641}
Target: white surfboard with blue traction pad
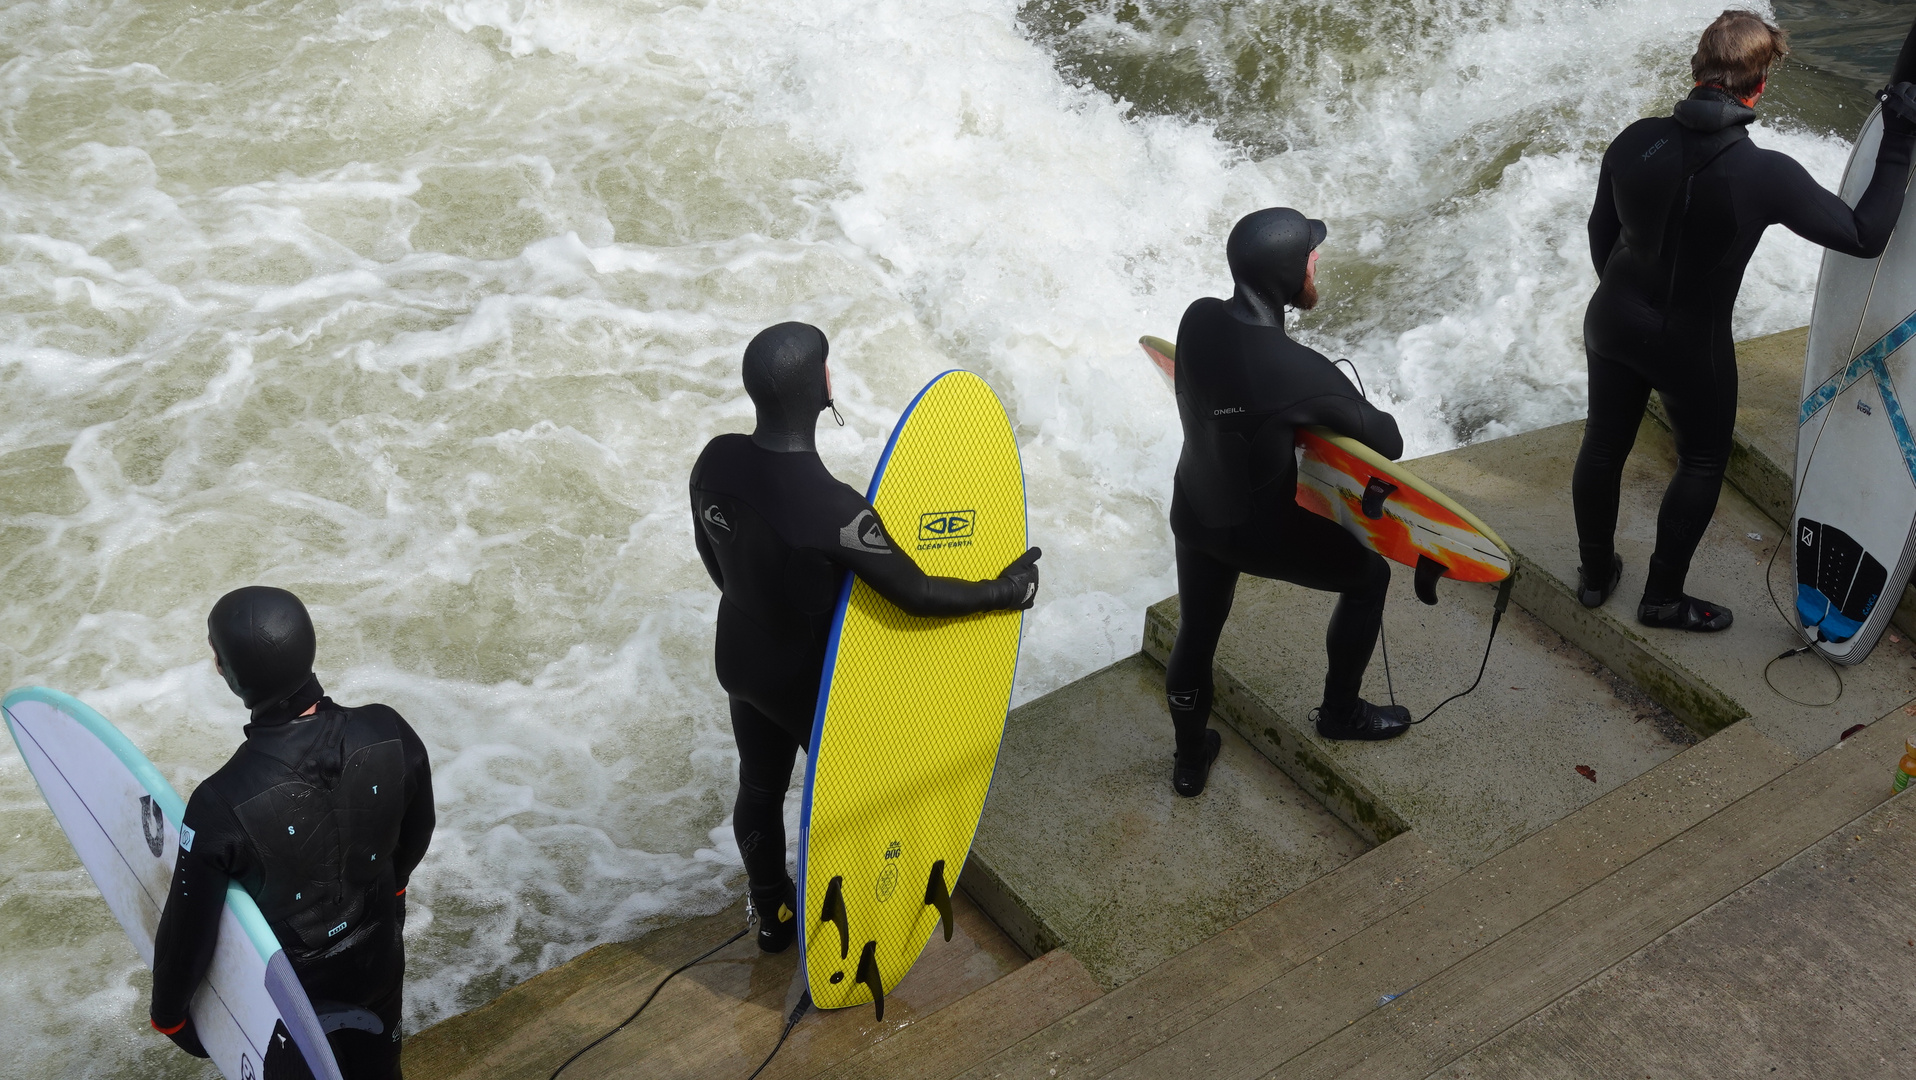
{"x": 1854, "y": 527}
{"x": 123, "y": 820}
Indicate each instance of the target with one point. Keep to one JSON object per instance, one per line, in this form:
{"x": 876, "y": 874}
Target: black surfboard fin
{"x": 833, "y": 911}
{"x": 938, "y": 896}
{"x": 1375, "y": 493}
{"x": 868, "y": 974}
{"x": 1428, "y": 571}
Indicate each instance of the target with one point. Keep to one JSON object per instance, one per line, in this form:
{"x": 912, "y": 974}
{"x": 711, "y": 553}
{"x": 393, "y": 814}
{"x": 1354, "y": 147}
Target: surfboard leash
{"x": 1496, "y": 617}
{"x": 798, "y": 1013}
{"x": 751, "y": 921}
{"x": 1769, "y": 586}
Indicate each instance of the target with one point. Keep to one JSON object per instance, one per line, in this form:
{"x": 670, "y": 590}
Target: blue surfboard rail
{"x": 281, "y": 983}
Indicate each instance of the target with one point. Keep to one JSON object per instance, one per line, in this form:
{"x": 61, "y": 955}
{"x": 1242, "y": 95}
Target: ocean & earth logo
{"x": 946, "y": 528}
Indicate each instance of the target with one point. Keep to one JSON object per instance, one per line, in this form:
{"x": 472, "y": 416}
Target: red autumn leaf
{"x": 1587, "y": 773}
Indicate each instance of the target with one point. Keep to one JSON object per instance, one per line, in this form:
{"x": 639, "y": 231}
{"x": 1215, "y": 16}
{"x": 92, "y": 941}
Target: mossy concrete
{"x": 1084, "y": 845}
{"x": 1546, "y": 732}
{"x": 1521, "y": 486}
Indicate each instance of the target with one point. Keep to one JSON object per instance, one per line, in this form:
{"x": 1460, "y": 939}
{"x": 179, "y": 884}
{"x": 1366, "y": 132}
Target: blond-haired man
{"x": 1681, "y": 203}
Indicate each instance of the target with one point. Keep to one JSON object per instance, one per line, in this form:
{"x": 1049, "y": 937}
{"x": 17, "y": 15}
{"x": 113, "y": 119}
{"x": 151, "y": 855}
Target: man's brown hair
{"x": 1737, "y": 52}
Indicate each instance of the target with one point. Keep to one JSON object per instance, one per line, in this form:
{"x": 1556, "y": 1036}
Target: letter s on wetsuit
{"x": 1681, "y": 203}
{"x": 1243, "y": 389}
{"x": 321, "y": 819}
{"x": 777, "y": 533}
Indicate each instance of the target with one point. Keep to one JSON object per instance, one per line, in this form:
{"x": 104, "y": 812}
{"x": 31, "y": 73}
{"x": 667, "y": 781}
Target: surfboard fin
{"x": 833, "y": 912}
{"x": 1428, "y": 571}
{"x": 1375, "y": 493}
{"x": 938, "y": 896}
{"x": 868, "y": 974}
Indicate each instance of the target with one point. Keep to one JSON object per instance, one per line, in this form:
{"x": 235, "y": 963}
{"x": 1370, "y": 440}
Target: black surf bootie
{"x": 1684, "y": 613}
{"x": 1592, "y": 593}
{"x": 1363, "y": 720}
{"x": 1190, "y": 772}
{"x": 777, "y": 917}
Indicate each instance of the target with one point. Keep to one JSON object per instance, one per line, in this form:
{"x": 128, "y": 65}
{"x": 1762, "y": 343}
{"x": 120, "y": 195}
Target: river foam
{"x": 424, "y": 309}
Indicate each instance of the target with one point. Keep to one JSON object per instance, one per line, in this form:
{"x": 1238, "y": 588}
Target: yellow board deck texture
{"x": 915, "y": 708}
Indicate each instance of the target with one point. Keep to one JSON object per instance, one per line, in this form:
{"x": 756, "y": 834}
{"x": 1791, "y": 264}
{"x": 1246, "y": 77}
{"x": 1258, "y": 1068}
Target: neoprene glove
{"x": 184, "y": 1037}
{"x": 1899, "y": 108}
{"x": 1023, "y": 573}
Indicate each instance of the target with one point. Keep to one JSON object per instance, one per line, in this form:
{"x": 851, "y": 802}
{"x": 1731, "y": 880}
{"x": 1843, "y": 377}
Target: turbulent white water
{"x": 423, "y": 309}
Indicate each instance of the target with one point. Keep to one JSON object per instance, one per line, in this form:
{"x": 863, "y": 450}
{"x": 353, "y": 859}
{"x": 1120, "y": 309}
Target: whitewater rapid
{"x": 423, "y": 309}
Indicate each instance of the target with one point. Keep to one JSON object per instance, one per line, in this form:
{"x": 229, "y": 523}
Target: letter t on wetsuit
{"x": 1243, "y": 389}
{"x": 778, "y": 533}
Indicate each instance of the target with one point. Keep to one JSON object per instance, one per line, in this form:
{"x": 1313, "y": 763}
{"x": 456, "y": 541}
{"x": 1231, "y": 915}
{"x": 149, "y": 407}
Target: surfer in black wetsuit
{"x": 1243, "y": 388}
{"x": 1681, "y": 202}
{"x": 778, "y": 533}
{"x": 321, "y": 816}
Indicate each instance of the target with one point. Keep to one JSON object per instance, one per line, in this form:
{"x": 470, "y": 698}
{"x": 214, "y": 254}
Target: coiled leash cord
{"x": 1769, "y": 586}
{"x": 1496, "y": 617}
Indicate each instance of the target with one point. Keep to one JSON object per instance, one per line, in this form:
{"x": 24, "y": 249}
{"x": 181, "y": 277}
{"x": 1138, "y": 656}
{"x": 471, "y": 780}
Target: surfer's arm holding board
{"x": 862, "y": 545}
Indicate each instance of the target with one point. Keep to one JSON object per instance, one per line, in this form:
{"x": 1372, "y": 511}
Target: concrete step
{"x": 1803, "y": 972}
{"x": 1085, "y": 846}
{"x": 1521, "y": 485}
{"x": 1488, "y": 770}
{"x": 720, "y": 1018}
{"x": 1470, "y": 954}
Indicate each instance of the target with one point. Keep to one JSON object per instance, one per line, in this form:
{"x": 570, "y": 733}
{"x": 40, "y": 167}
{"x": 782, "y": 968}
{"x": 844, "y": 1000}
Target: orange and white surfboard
{"x": 1390, "y": 509}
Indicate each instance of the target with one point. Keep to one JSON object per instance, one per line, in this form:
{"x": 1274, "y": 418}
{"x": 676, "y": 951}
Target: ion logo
{"x": 947, "y": 525}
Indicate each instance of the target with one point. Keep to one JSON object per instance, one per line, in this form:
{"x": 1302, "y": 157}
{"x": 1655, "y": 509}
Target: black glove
{"x": 183, "y": 1036}
{"x": 1899, "y": 108}
{"x": 1023, "y": 573}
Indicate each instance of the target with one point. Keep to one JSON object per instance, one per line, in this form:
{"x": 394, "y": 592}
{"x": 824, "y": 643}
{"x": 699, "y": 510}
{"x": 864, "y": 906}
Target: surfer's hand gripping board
{"x": 911, "y": 710}
{"x": 1390, "y": 509}
{"x": 123, "y": 819}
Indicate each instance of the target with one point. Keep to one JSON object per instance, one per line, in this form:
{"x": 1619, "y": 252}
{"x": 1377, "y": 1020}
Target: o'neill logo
{"x": 946, "y": 525}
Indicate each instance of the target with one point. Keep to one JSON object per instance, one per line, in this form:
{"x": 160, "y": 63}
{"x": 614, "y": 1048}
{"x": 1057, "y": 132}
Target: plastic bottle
{"x": 1906, "y": 768}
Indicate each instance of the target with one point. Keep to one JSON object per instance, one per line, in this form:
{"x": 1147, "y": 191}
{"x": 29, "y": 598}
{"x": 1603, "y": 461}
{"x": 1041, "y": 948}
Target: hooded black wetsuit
{"x": 1243, "y": 389}
{"x": 777, "y": 533}
{"x": 1681, "y": 202}
{"x": 321, "y": 819}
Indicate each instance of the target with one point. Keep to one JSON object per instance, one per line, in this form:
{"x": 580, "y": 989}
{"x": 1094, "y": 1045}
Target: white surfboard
{"x": 123, "y": 819}
{"x": 1855, "y": 513}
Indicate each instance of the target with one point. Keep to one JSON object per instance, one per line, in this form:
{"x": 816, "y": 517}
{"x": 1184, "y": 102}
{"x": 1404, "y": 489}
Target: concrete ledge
{"x": 1024, "y": 925}
{"x": 1705, "y": 709}
{"x": 1278, "y": 735}
{"x": 1085, "y": 846}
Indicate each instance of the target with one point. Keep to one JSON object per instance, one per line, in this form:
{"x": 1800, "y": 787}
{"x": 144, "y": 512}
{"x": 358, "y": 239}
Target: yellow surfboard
{"x": 911, "y": 711}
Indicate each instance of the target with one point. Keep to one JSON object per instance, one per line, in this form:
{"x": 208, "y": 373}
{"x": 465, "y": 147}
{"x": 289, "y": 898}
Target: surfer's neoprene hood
{"x": 264, "y": 640}
{"x": 785, "y": 376}
{"x": 1269, "y": 252}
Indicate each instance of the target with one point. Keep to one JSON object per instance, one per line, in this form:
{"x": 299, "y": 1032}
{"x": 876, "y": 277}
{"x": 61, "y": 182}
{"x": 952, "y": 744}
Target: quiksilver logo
{"x": 715, "y": 518}
{"x": 864, "y": 533}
